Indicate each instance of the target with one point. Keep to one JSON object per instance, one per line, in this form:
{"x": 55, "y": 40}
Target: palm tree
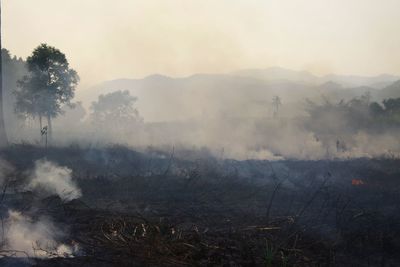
{"x": 276, "y": 103}
{"x": 3, "y": 135}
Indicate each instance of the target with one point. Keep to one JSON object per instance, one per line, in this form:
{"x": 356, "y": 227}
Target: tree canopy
{"x": 115, "y": 110}
{"x": 358, "y": 113}
{"x": 49, "y": 84}
{"x": 3, "y": 134}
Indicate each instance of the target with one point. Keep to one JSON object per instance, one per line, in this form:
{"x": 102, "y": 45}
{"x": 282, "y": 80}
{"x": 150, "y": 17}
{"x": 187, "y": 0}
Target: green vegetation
{"x": 356, "y": 114}
{"x": 50, "y": 83}
{"x": 115, "y": 111}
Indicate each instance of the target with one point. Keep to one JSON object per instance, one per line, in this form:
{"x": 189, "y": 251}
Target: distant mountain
{"x": 166, "y": 98}
{"x": 245, "y": 93}
{"x": 391, "y": 91}
{"x": 330, "y": 86}
{"x": 277, "y": 73}
{"x": 378, "y": 82}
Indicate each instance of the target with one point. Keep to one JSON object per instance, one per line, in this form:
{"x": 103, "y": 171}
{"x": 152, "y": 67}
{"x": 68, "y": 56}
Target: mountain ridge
{"x": 200, "y": 94}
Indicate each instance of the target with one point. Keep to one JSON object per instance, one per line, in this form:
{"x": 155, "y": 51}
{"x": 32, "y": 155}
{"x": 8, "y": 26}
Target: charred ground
{"x": 181, "y": 207}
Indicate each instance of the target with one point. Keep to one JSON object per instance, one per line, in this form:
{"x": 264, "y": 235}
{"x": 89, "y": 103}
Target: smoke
{"x": 26, "y": 237}
{"x": 6, "y": 170}
{"x": 261, "y": 138}
{"x": 230, "y": 113}
{"x": 364, "y": 144}
{"x": 50, "y": 179}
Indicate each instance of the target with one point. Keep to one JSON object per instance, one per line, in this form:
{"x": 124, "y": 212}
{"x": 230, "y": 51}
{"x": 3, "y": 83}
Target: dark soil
{"x": 186, "y": 208}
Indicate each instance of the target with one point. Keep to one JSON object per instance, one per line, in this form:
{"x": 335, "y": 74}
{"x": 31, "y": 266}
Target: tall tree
{"x": 49, "y": 85}
{"x": 115, "y": 112}
{"x": 276, "y": 104}
{"x": 3, "y": 135}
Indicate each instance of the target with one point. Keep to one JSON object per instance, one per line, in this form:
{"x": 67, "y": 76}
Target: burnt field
{"x": 187, "y": 208}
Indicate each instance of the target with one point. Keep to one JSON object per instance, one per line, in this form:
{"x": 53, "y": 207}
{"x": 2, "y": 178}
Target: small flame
{"x": 357, "y": 182}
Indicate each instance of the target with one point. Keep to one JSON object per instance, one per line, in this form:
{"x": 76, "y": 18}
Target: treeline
{"x": 14, "y": 68}
{"x": 388, "y": 113}
{"x": 42, "y": 88}
{"x": 353, "y": 115}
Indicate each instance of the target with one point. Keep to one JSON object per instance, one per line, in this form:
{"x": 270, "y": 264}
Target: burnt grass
{"x": 187, "y": 208}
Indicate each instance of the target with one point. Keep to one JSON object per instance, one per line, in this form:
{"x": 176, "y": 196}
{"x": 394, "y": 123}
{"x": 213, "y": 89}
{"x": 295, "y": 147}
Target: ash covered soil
{"x": 188, "y": 208}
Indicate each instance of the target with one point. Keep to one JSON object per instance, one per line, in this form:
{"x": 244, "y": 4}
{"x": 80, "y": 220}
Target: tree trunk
{"x": 40, "y": 129}
{"x": 50, "y": 129}
{"x": 3, "y": 135}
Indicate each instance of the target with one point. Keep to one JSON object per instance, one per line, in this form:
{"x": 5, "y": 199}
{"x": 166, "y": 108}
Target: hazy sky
{"x": 106, "y": 39}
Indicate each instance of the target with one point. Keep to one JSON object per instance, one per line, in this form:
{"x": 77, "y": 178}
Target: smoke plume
{"x": 48, "y": 178}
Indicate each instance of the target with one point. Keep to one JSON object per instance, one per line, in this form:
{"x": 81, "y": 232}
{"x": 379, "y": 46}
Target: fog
{"x": 203, "y": 75}
{"x": 107, "y": 40}
{"x": 235, "y": 113}
{"x": 230, "y": 115}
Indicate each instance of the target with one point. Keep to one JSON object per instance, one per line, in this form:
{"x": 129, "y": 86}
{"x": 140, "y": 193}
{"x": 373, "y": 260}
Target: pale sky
{"x": 106, "y": 39}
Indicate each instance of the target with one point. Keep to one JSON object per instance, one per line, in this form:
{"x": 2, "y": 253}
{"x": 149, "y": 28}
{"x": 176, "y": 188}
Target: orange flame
{"x": 357, "y": 182}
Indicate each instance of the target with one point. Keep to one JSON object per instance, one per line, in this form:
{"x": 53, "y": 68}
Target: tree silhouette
{"x": 115, "y": 111}
{"x": 276, "y": 104}
{"x": 3, "y": 135}
{"x": 49, "y": 85}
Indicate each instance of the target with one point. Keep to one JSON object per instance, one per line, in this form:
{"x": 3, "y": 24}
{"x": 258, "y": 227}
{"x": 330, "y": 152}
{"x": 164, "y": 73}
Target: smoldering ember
{"x": 199, "y": 133}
